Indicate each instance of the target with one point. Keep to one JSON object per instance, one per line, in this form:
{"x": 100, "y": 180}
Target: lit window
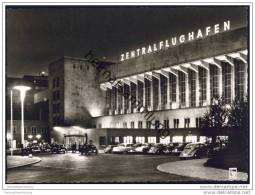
{"x": 192, "y": 86}
{"x": 128, "y": 139}
{"x": 147, "y": 92}
{"x": 132, "y": 125}
{"x": 163, "y": 90}
{"x": 140, "y": 140}
{"x": 226, "y": 82}
{"x": 140, "y": 124}
{"x": 202, "y": 84}
{"x": 177, "y": 138}
{"x": 239, "y": 79}
{"x": 172, "y": 83}
{"x": 165, "y": 140}
{"x": 214, "y": 81}
{"x": 155, "y": 84}
{"x": 182, "y": 88}
{"x": 152, "y": 140}
{"x": 191, "y": 138}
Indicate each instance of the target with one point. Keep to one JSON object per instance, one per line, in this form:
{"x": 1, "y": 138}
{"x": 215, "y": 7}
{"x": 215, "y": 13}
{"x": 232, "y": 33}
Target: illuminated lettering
{"x": 191, "y": 36}
{"x": 143, "y": 51}
{"x": 199, "y": 34}
{"x": 132, "y": 54}
{"x": 207, "y": 30}
{"x": 174, "y": 41}
{"x": 138, "y": 52}
{"x": 122, "y": 57}
{"x": 167, "y": 44}
{"x": 149, "y": 49}
{"x": 216, "y": 28}
{"x": 155, "y": 47}
{"x": 161, "y": 44}
{"x": 182, "y": 38}
{"x": 127, "y": 55}
{"x": 227, "y": 25}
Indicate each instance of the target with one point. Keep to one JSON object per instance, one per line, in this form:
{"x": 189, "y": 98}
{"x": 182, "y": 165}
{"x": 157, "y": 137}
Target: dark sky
{"x": 37, "y": 36}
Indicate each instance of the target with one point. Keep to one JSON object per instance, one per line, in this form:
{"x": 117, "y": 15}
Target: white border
{"x": 182, "y": 187}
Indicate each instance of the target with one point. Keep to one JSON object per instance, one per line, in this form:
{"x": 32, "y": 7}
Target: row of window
{"x": 166, "y": 140}
{"x": 79, "y": 67}
{"x": 31, "y": 130}
{"x": 155, "y": 87}
{"x": 156, "y": 125}
{"x": 55, "y": 95}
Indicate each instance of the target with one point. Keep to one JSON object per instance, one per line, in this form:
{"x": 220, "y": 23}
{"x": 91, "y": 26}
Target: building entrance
{"x": 74, "y": 139}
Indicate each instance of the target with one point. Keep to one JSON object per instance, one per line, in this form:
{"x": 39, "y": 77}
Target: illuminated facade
{"x": 173, "y": 87}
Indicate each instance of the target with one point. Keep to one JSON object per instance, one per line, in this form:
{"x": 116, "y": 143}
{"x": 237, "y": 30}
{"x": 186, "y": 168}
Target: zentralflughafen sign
{"x": 177, "y": 40}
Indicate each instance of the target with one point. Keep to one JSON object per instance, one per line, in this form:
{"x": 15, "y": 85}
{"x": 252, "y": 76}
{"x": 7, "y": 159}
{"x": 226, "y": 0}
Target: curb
{"x": 23, "y": 165}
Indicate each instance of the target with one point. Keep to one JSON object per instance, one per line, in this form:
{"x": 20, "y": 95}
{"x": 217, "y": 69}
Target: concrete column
{"x": 187, "y": 91}
{"x": 245, "y": 79}
{"x": 159, "y": 93}
{"x": 177, "y": 92}
{"x": 233, "y": 82}
{"x": 208, "y": 86}
{"x": 220, "y": 82}
{"x": 168, "y": 92}
{"x": 197, "y": 89}
{"x": 151, "y": 94}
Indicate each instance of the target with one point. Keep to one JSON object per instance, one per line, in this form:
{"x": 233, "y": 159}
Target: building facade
{"x": 173, "y": 86}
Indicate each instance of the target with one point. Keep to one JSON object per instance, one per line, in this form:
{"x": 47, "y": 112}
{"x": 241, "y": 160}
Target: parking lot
{"x": 101, "y": 168}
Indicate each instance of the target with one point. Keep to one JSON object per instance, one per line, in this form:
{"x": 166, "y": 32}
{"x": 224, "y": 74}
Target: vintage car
{"x": 157, "y": 149}
{"x": 88, "y": 149}
{"x": 109, "y": 148}
{"x": 122, "y": 148}
{"x": 194, "y": 150}
{"x": 58, "y": 148}
{"x": 179, "y": 148}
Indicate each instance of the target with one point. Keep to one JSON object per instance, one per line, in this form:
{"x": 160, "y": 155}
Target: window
{"x": 192, "y": 87}
{"x": 73, "y": 66}
{"x": 99, "y": 125}
{"x": 102, "y": 140}
{"x": 140, "y": 140}
{"x": 120, "y": 94}
{"x": 163, "y": 90}
{"x": 116, "y": 140}
{"x": 81, "y": 67}
{"x": 186, "y": 122}
{"x": 214, "y": 81}
{"x": 128, "y": 139}
{"x": 108, "y": 98}
{"x": 182, "y": 88}
{"x": 25, "y": 130}
{"x": 124, "y": 124}
{"x": 54, "y": 84}
{"x": 198, "y": 122}
{"x": 33, "y": 130}
{"x": 172, "y": 80}
{"x": 191, "y": 138}
{"x": 152, "y": 140}
{"x": 140, "y": 93}
{"x": 165, "y": 140}
{"x": 226, "y": 82}
{"x": 14, "y": 130}
{"x": 176, "y": 123}
{"x": 202, "y": 139}
{"x": 239, "y": 79}
{"x": 133, "y": 96}
{"x": 202, "y": 84}
{"x": 114, "y": 98}
{"x": 177, "y": 138}
{"x": 147, "y": 92}
{"x": 166, "y": 124}
{"x": 155, "y": 83}
{"x": 57, "y": 82}
{"x": 132, "y": 124}
{"x": 148, "y": 124}
{"x": 157, "y": 124}
{"x": 140, "y": 124}
{"x": 126, "y": 97}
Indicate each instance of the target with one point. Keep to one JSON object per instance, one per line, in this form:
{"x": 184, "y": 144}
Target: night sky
{"x": 36, "y": 36}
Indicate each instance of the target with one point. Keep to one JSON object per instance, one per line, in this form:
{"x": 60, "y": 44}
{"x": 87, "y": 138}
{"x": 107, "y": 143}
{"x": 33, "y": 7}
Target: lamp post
{"x": 22, "y": 90}
{"x": 11, "y": 125}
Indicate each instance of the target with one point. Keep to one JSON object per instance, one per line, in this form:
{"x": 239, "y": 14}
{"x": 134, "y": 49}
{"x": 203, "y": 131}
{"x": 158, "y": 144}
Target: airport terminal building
{"x": 171, "y": 82}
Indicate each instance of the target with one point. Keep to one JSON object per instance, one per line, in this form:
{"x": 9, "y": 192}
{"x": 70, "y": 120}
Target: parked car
{"x": 109, "y": 148}
{"x": 144, "y": 148}
{"x": 46, "y": 147}
{"x": 194, "y": 150}
{"x": 157, "y": 149}
{"x": 88, "y": 149}
{"x": 133, "y": 148}
{"x": 32, "y": 148}
{"x": 122, "y": 148}
{"x": 58, "y": 148}
{"x": 179, "y": 148}
{"x": 169, "y": 148}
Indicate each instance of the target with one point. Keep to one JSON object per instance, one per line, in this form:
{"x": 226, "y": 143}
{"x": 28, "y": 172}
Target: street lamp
{"x": 22, "y": 90}
{"x": 38, "y": 136}
{"x": 30, "y": 136}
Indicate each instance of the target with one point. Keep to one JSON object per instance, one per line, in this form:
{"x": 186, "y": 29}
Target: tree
{"x": 216, "y": 116}
{"x": 239, "y": 114}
